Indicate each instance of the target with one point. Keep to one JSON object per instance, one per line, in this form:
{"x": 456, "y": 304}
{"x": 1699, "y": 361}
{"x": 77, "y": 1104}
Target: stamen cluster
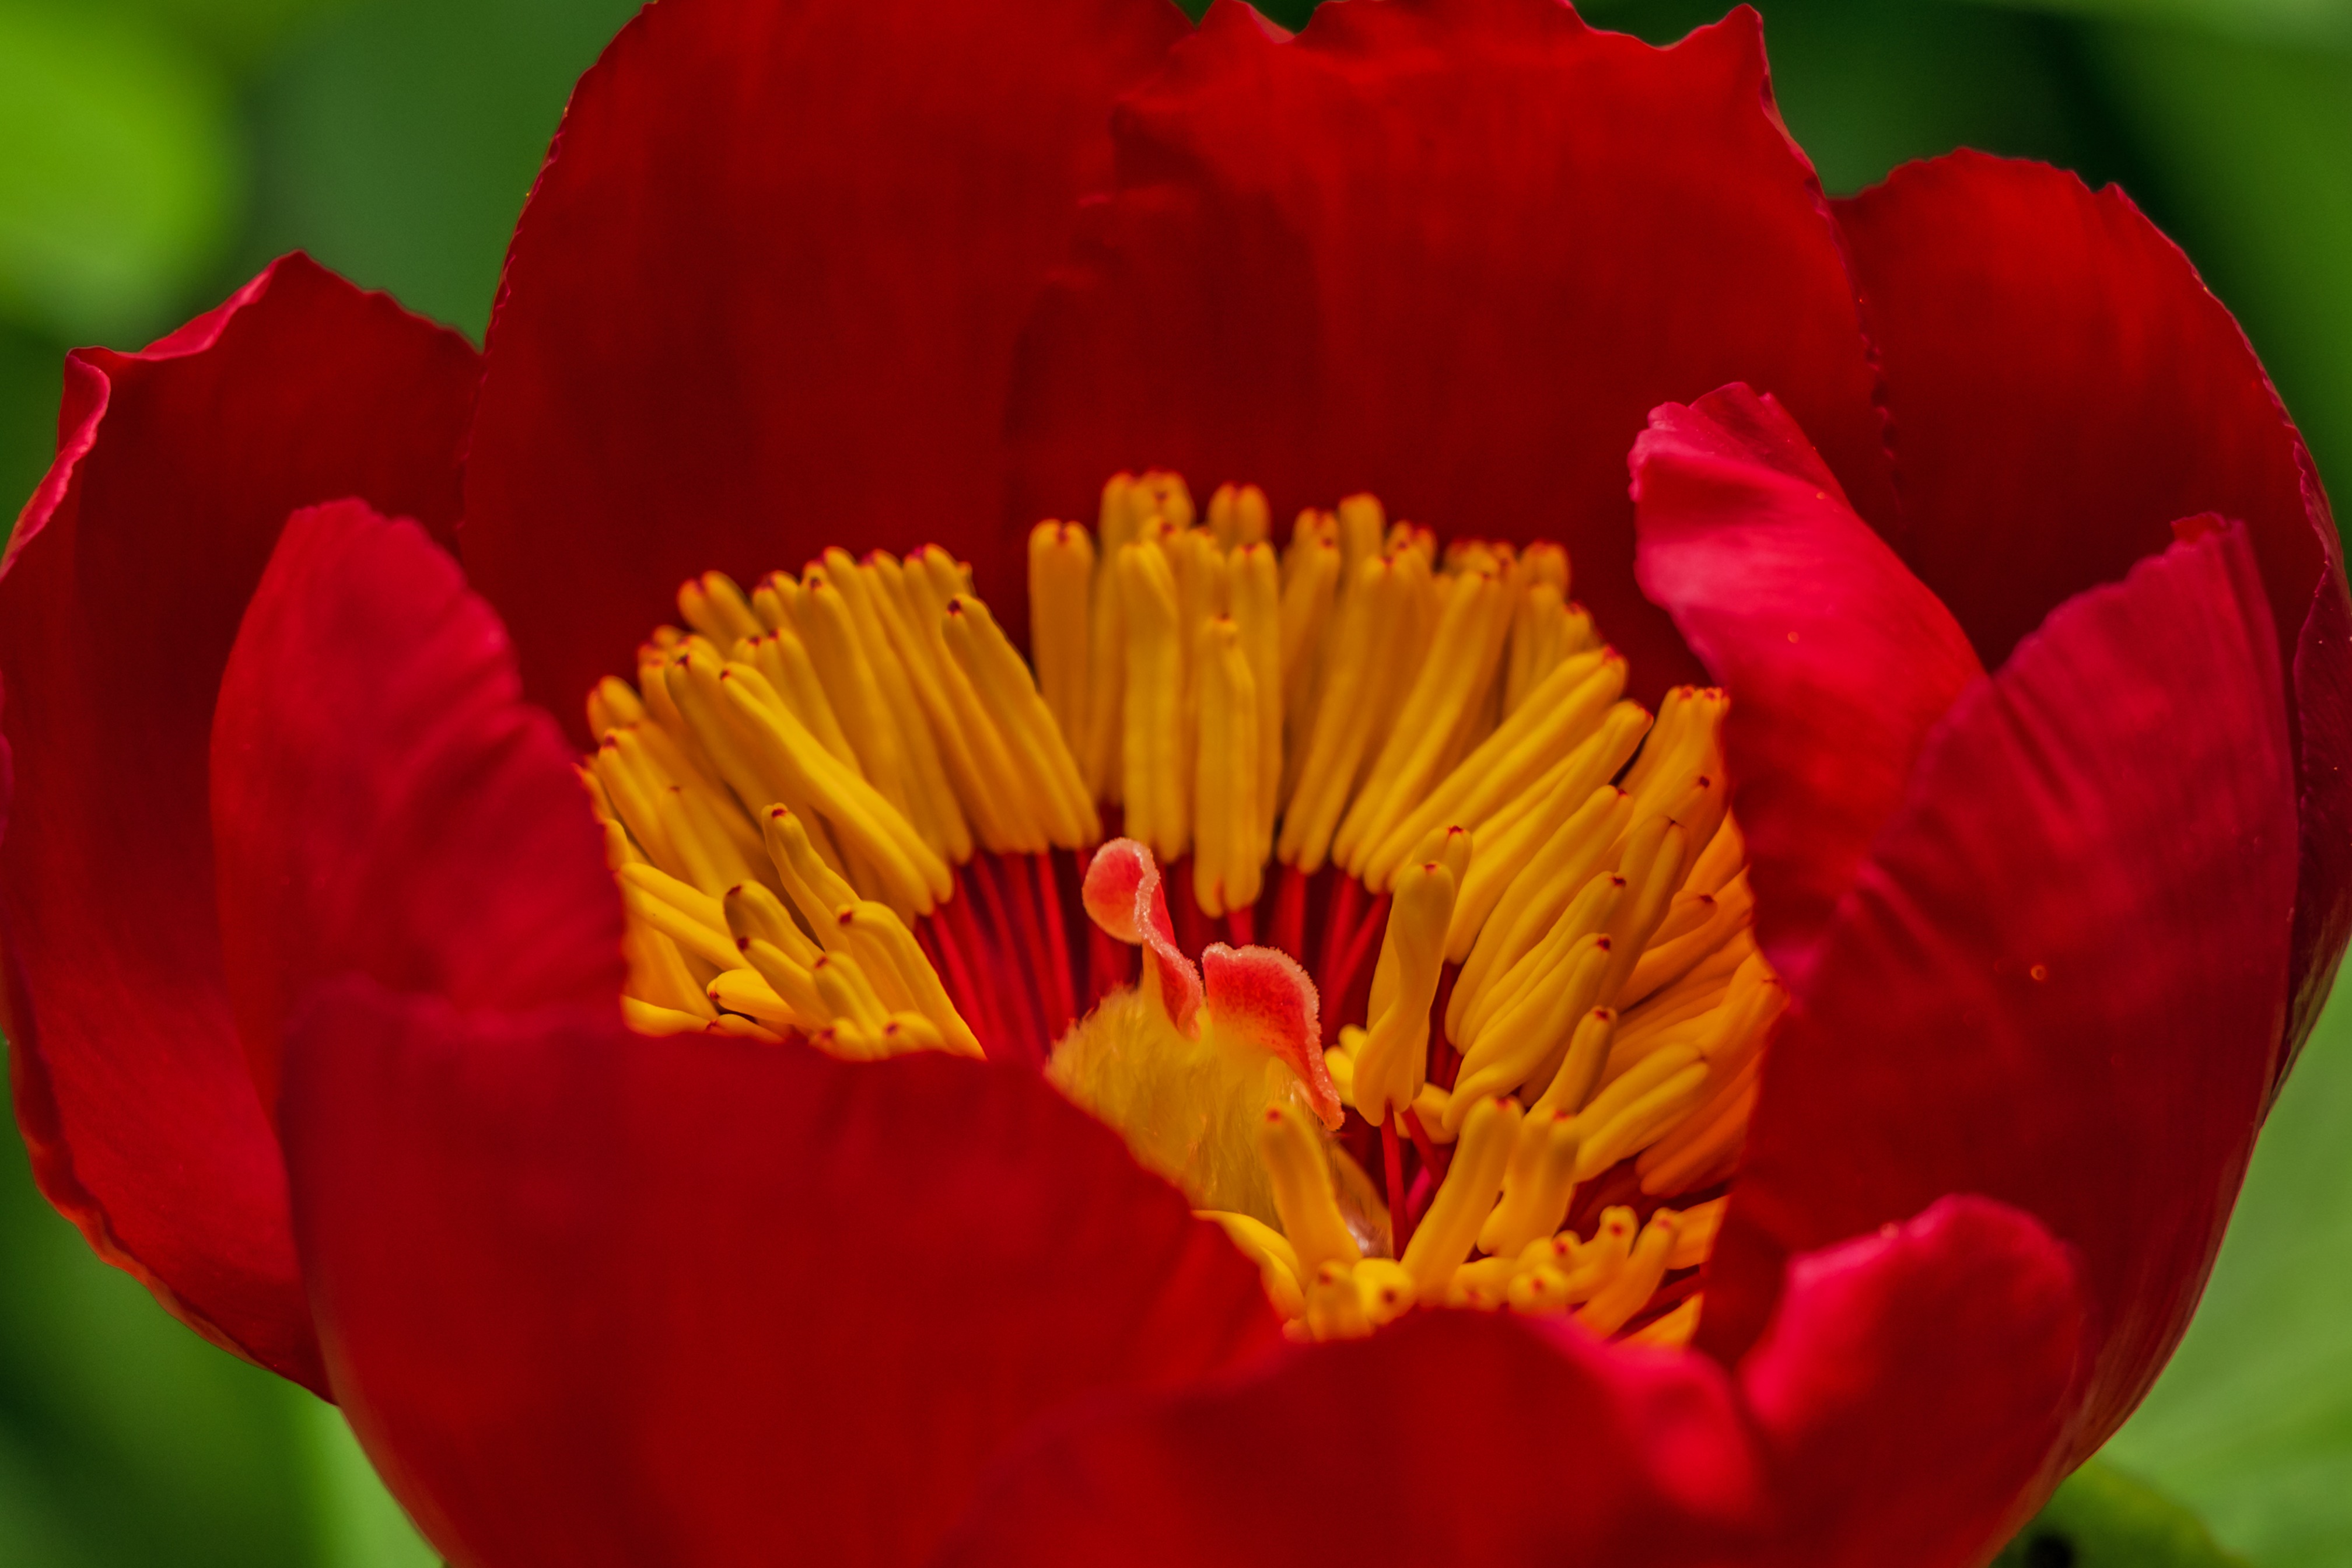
{"x": 840, "y": 806}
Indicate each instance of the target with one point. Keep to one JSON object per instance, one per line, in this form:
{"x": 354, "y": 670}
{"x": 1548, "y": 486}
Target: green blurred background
{"x": 154, "y": 153}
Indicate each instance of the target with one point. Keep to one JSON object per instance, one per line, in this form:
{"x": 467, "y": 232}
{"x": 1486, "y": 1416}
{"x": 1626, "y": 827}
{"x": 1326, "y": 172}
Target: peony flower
{"x": 1719, "y": 1023}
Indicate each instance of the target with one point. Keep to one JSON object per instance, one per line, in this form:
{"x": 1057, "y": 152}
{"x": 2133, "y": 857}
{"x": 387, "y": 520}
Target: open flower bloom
{"x": 1514, "y": 1021}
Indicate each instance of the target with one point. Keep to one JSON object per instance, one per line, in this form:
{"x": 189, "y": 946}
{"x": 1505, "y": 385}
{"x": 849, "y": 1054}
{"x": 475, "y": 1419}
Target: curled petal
{"x": 1887, "y": 1440}
{"x": 2061, "y": 976}
{"x": 382, "y": 799}
{"x": 120, "y": 598}
{"x": 1837, "y": 659}
{"x": 2062, "y": 388}
{"x": 764, "y": 296}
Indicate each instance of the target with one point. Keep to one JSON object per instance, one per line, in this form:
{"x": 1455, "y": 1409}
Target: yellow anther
{"x": 791, "y": 981}
{"x": 1563, "y": 870}
{"x": 1539, "y": 1292}
{"x": 1443, "y": 699}
{"x": 1347, "y": 710}
{"x": 1155, "y": 758}
{"x": 712, "y": 946}
{"x": 1579, "y": 1070}
{"x": 658, "y": 972}
{"x": 1363, "y": 529}
{"x": 1537, "y": 1186}
{"x": 977, "y": 759}
{"x": 648, "y": 1018}
{"x": 747, "y": 992}
{"x": 901, "y": 974}
{"x": 687, "y": 899}
{"x": 1301, "y": 1171}
{"x": 903, "y": 1034}
{"x": 1602, "y": 1258}
{"x": 783, "y": 658}
{"x": 1395, "y": 1060}
{"x": 1719, "y": 918}
{"x": 1342, "y": 1069}
{"x": 831, "y": 636}
{"x": 843, "y": 987}
{"x": 1263, "y": 1245}
{"x": 910, "y": 869}
{"x": 1671, "y": 1331}
{"x": 1335, "y": 1308}
{"x": 1706, "y": 1143}
{"x": 1652, "y": 879}
{"x": 1463, "y": 1198}
{"x": 1629, "y": 1114}
{"x": 1721, "y": 861}
{"x": 1255, "y": 593}
{"x": 1545, "y": 955}
{"x": 1449, "y": 848}
{"x": 751, "y": 912}
{"x": 1061, "y": 570}
{"x": 1524, "y": 1040}
{"x": 1229, "y": 849}
{"x": 930, "y": 801}
{"x": 1482, "y": 1286}
{"x": 775, "y": 600}
{"x": 1522, "y": 838}
{"x": 713, "y": 606}
{"x": 816, "y": 888}
{"x": 1385, "y": 1289}
{"x": 1049, "y": 775}
{"x": 613, "y": 705}
{"x": 1311, "y": 587}
{"x": 1429, "y": 1108}
{"x": 1614, "y": 1304}
{"x": 1695, "y": 1233}
{"x": 1164, "y": 495}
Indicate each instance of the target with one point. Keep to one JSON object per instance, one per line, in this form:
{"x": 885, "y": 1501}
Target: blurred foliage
{"x": 155, "y": 153}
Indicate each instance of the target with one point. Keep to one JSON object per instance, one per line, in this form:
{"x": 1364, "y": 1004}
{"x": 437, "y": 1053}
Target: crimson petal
{"x": 1863, "y": 1431}
{"x": 1910, "y": 1393}
{"x": 2062, "y": 389}
{"x": 383, "y": 802}
{"x": 765, "y": 296}
{"x": 123, "y": 584}
{"x": 1838, "y": 660}
{"x": 592, "y": 1299}
{"x": 2060, "y": 978}
{"x": 1452, "y": 251}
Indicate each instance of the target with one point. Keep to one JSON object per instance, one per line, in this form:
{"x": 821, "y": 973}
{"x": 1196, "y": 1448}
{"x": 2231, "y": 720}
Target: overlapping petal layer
{"x": 594, "y": 1297}
{"x": 763, "y": 300}
{"x": 2062, "y": 388}
{"x": 438, "y": 843}
{"x": 1468, "y": 1438}
{"x": 1452, "y": 251}
{"x": 124, "y": 585}
{"x": 1837, "y": 659}
{"x": 2060, "y": 975}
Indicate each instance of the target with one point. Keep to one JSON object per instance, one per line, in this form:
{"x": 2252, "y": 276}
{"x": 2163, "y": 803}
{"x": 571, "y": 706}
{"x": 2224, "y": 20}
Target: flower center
{"x": 1503, "y": 1043}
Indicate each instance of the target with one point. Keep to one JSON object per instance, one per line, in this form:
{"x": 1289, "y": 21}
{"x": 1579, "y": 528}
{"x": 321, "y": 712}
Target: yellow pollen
{"x": 842, "y": 809}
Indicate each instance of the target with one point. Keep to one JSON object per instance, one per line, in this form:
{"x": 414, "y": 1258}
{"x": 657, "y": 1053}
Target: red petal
{"x": 1452, "y": 251}
{"x": 383, "y": 802}
{"x": 1866, "y": 1430}
{"x": 2060, "y": 978}
{"x": 2062, "y": 388}
{"x": 1263, "y": 996}
{"x": 764, "y": 297}
{"x": 1450, "y": 1437}
{"x": 1912, "y": 1387}
{"x": 1123, "y": 895}
{"x": 590, "y": 1298}
{"x": 1837, "y": 659}
{"x": 124, "y": 583}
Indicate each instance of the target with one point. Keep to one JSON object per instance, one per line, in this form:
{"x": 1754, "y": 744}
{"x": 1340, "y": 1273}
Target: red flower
{"x": 2020, "y": 581}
